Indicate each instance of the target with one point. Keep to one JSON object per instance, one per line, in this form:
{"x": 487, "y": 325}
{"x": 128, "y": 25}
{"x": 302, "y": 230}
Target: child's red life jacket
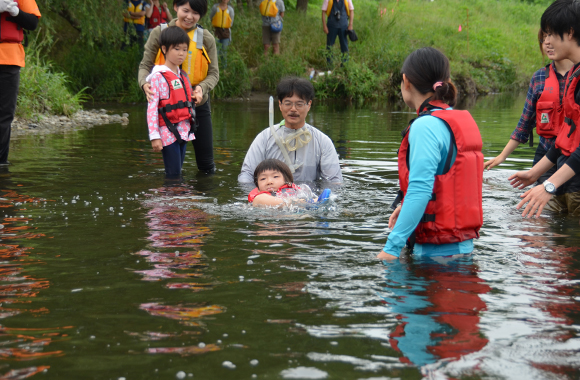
{"x": 157, "y": 17}
{"x": 454, "y": 213}
{"x": 549, "y": 110}
{"x": 10, "y": 32}
{"x": 178, "y": 106}
{"x": 285, "y": 189}
{"x": 569, "y": 137}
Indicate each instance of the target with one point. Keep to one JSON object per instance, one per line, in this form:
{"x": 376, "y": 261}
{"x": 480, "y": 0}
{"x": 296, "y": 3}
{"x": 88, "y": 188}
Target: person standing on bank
{"x": 340, "y": 15}
{"x": 222, "y": 19}
{"x": 157, "y": 14}
{"x": 135, "y": 15}
{"x": 14, "y": 17}
{"x": 272, "y": 12}
{"x": 440, "y": 166}
{"x": 201, "y": 66}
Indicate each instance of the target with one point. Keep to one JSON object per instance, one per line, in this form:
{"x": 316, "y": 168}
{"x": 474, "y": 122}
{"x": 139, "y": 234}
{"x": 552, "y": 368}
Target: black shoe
{"x": 7, "y": 163}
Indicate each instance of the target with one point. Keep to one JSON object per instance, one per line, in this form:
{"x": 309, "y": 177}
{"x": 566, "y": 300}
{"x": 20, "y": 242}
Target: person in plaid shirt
{"x": 524, "y": 130}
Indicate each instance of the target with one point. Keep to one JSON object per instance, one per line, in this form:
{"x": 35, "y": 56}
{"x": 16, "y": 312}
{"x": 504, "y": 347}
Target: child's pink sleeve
{"x": 153, "y": 109}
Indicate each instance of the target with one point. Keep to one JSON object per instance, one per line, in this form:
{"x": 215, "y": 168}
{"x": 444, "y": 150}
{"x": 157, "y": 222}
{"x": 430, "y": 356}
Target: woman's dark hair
{"x": 541, "y": 36}
{"x": 200, "y": 6}
{"x": 173, "y": 36}
{"x": 561, "y": 17}
{"x": 290, "y": 86}
{"x": 273, "y": 164}
{"x": 424, "y": 68}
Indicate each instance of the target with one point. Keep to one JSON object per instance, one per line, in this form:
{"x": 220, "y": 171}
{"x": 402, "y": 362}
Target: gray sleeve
{"x": 231, "y": 10}
{"x": 329, "y": 165}
{"x": 280, "y": 6}
{"x": 255, "y": 155}
{"x": 212, "y": 12}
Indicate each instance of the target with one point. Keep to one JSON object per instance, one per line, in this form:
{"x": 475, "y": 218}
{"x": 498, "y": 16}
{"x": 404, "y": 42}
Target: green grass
{"x": 496, "y": 51}
{"x": 43, "y": 89}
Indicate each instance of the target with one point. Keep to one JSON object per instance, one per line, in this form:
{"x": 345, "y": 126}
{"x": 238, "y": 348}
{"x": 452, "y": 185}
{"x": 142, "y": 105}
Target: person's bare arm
{"x": 324, "y": 27}
{"x": 351, "y": 19}
{"x": 509, "y": 148}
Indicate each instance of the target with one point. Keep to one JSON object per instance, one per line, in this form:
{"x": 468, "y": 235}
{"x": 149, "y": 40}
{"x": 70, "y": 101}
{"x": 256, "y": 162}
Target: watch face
{"x": 550, "y": 188}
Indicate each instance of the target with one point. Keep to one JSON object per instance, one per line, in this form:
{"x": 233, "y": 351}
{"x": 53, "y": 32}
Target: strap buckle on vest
{"x": 397, "y": 200}
{"x": 572, "y": 125}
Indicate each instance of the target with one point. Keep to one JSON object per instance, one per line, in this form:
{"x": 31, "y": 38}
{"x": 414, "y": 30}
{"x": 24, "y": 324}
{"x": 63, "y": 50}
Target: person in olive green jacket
{"x": 203, "y": 76}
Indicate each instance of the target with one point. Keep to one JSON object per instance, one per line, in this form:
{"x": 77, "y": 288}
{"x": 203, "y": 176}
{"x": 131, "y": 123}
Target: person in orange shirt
{"x": 14, "y": 17}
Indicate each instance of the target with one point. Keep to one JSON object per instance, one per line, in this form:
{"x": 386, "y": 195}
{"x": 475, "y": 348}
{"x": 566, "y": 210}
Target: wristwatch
{"x": 549, "y": 187}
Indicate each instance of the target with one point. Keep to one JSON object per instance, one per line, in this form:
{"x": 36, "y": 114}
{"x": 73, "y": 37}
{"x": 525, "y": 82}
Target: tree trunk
{"x": 302, "y": 5}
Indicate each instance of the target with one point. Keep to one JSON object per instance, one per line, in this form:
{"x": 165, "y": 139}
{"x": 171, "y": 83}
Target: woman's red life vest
{"x": 157, "y": 17}
{"x": 569, "y": 137}
{"x": 10, "y": 32}
{"x": 549, "y": 109}
{"x": 178, "y": 106}
{"x": 454, "y": 213}
{"x": 285, "y": 189}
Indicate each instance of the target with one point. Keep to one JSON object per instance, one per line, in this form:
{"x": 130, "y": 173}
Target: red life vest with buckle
{"x": 549, "y": 110}
{"x": 10, "y": 31}
{"x": 454, "y": 213}
{"x": 178, "y": 106}
{"x": 569, "y": 137}
{"x": 285, "y": 189}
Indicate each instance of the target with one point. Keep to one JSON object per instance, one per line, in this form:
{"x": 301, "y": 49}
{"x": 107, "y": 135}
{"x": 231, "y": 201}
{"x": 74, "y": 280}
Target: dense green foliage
{"x": 44, "y": 90}
{"x": 496, "y": 50}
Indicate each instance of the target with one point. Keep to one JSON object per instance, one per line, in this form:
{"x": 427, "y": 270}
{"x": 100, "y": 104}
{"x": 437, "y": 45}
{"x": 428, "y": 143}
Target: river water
{"x": 107, "y": 272}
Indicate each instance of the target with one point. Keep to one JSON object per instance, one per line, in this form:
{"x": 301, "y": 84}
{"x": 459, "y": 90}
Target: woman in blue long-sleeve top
{"x": 440, "y": 166}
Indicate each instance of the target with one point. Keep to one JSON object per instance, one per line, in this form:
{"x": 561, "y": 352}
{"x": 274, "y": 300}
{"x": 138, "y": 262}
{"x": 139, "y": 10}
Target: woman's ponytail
{"x": 428, "y": 71}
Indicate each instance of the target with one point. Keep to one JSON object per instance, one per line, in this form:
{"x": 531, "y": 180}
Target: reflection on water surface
{"x": 106, "y": 272}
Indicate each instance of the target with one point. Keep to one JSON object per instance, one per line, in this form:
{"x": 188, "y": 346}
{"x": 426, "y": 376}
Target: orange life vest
{"x": 135, "y": 8}
{"x": 549, "y": 110}
{"x": 285, "y": 189}
{"x": 268, "y": 8}
{"x": 454, "y": 213}
{"x": 178, "y": 106}
{"x": 10, "y": 32}
{"x": 569, "y": 137}
{"x": 197, "y": 62}
{"x": 222, "y": 19}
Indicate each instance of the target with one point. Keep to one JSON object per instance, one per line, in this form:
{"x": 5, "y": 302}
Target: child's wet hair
{"x": 200, "y": 6}
{"x": 273, "y": 164}
{"x": 173, "y": 36}
{"x": 425, "y": 67}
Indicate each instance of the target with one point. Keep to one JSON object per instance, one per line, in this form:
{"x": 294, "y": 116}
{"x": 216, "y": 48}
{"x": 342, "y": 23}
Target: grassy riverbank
{"x": 496, "y": 51}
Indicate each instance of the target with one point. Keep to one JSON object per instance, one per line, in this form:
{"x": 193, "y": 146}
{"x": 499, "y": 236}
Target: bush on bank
{"x": 496, "y": 50}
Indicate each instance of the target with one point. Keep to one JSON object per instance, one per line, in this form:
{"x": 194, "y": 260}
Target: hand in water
{"x": 536, "y": 198}
{"x": 522, "y": 179}
{"x": 493, "y": 162}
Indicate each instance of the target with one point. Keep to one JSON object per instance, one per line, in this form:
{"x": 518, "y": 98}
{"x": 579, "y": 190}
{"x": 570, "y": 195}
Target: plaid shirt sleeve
{"x": 527, "y": 121}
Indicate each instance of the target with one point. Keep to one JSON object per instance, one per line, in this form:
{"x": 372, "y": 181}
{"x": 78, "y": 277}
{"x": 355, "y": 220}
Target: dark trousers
{"x": 9, "y": 82}
{"x": 203, "y": 143}
{"x": 173, "y": 156}
{"x": 540, "y": 153}
{"x": 331, "y": 39}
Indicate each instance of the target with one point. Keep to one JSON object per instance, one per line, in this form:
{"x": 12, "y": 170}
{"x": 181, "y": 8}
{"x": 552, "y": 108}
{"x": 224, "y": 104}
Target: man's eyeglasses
{"x": 299, "y": 105}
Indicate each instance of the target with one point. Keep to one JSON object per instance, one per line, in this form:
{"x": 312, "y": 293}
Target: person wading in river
{"x": 543, "y": 111}
{"x": 440, "y": 166}
{"x": 308, "y": 152}
{"x": 201, "y": 66}
{"x": 561, "y": 23}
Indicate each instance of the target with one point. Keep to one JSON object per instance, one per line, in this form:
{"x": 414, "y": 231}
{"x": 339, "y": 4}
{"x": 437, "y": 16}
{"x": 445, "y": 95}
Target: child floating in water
{"x": 275, "y": 186}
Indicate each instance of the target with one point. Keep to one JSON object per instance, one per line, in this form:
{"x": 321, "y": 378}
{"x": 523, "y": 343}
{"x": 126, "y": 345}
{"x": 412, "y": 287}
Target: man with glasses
{"x": 308, "y": 152}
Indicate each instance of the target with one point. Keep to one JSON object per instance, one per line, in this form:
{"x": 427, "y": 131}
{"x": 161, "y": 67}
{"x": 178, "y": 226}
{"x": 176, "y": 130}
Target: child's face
{"x": 186, "y": 16}
{"x": 176, "y": 54}
{"x": 270, "y": 180}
